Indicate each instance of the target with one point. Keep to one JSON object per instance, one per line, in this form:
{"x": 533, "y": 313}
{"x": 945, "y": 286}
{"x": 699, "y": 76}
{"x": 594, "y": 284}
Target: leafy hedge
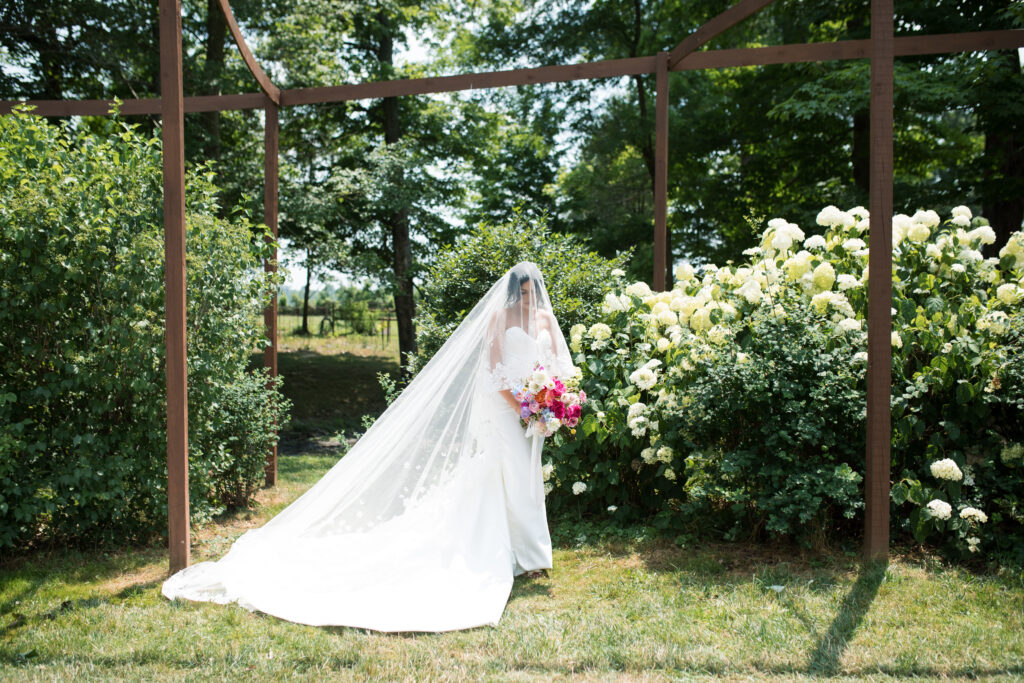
{"x": 82, "y": 398}
{"x": 576, "y": 278}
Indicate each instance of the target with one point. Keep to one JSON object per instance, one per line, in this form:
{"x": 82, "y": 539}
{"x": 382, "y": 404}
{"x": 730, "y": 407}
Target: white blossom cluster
{"x": 946, "y": 469}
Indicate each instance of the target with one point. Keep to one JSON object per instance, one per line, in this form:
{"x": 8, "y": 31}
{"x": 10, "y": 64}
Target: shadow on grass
{"x": 831, "y": 645}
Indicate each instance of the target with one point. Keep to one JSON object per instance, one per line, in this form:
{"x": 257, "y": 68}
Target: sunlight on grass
{"x": 643, "y": 610}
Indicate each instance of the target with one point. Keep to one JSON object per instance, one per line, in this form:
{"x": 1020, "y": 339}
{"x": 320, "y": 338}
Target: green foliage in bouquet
{"x": 82, "y": 398}
{"x": 741, "y": 392}
{"x": 576, "y": 278}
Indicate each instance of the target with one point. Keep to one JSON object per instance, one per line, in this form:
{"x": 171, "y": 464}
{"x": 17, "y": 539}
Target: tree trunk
{"x": 305, "y": 296}
{"x": 216, "y": 35}
{"x": 398, "y": 222}
{"x": 1003, "y": 199}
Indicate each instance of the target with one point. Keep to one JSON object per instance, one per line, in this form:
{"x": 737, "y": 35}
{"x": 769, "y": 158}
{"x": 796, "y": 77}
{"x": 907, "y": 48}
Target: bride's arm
{"x": 496, "y": 334}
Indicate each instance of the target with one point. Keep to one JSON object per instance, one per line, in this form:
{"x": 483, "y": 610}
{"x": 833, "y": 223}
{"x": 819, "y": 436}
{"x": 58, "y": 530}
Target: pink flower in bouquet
{"x": 534, "y": 406}
{"x": 583, "y": 396}
{"x": 559, "y": 388}
{"x": 558, "y": 409}
{"x": 573, "y": 412}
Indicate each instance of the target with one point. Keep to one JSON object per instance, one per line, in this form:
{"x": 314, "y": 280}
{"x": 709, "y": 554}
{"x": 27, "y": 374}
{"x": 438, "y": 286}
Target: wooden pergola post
{"x": 879, "y": 380}
{"x": 173, "y": 133}
{"x": 270, "y": 148}
{"x": 661, "y": 257}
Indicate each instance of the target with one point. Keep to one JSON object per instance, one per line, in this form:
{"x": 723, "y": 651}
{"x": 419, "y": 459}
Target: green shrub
{"x": 576, "y": 278}
{"x": 82, "y": 374}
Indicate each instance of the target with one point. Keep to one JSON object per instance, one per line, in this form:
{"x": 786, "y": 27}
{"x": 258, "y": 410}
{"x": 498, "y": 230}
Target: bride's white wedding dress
{"x": 424, "y": 523}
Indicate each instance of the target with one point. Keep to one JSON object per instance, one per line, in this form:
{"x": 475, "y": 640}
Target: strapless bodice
{"x": 521, "y": 351}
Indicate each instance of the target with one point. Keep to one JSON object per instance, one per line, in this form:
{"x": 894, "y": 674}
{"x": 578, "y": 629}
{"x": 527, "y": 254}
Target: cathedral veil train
{"x": 424, "y": 523}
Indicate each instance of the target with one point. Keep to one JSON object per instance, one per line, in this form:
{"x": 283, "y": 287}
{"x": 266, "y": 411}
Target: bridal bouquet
{"x": 546, "y": 403}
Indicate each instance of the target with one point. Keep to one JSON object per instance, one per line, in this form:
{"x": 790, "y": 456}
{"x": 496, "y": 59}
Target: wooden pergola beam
{"x": 721, "y": 23}
{"x": 905, "y": 46}
{"x": 269, "y": 89}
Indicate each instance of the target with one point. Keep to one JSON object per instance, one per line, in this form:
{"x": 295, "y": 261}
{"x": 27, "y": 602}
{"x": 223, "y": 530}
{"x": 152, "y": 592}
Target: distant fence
{"x": 327, "y": 321}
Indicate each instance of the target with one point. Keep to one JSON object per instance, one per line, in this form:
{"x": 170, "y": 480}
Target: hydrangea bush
{"x": 741, "y": 392}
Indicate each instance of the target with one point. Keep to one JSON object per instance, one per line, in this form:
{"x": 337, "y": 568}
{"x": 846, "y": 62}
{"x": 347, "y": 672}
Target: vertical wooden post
{"x": 879, "y": 385}
{"x": 173, "y": 120}
{"x": 270, "y": 148}
{"x": 661, "y": 172}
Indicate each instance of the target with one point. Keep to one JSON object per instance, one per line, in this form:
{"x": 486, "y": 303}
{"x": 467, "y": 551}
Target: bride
{"x": 424, "y": 523}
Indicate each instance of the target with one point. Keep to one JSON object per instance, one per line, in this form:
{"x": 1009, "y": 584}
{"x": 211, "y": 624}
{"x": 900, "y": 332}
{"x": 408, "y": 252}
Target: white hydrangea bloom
{"x": 859, "y": 212}
{"x": 665, "y": 454}
{"x": 918, "y": 232}
{"x": 946, "y": 469}
{"x": 578, "y": 488}
{"x": 618, "y": 272}
{"x": 896, "y": 339}
{"x": 847, "y": 281}
{"x": 970, "y": 256}
{"x": 719, "y": 334}
{"x": 940, "y": 508}
{"x": 860, "y": 357}
{"x": 848, "y": 325}
{"x": 644, "y": 378}
{"x": 928, "y": 218}
{"x": 670, "y": 474}
{"x": 600, "y": 331}
{"x": 960, "y": 221}
{"x": 663, "y": 344}
{"x": 667, "y": 318}
{"x": 853, "y": 244}
{"x": 958, "y": 268}
{"x": 814, "y": 242}
{"x": 547, "y": 470}
{"x": 831, "y": 216}
{"x": 635, "y": 409}
{"x": 751, "y": 291}
{"x": 684, "y": 272}
{"x": 797, "y": 265}
{"x": 973, "y": 515}
{"x": 824, "y": 276}
{"x": 640, "y": 289}
{"x": 972, "y": 543}
{"x": 649, "y": 455}
{"x": 1009, "y": 293}
{"x": 781, "y": 241}
{"x": 548, "y": 488}
{"x": 962, "y": 211}
{"x": 900, "y": 227}
{"x": 984, "y": 234}
{"x": 701, "y": 319}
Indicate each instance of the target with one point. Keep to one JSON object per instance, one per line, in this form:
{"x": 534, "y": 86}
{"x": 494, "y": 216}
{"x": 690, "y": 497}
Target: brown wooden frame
{"x": 880, "y": 49}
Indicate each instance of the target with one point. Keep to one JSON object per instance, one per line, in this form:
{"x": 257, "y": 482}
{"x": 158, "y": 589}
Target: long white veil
{"x": 421, "y": 443}
{"x": 423, "y": 435}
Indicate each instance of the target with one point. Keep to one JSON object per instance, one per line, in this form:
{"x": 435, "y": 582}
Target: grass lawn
{"x": 636, "y": 610}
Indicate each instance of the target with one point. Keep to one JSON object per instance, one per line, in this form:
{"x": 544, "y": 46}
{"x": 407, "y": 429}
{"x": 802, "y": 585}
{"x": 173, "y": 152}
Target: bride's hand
{"x": 511, "y": 400}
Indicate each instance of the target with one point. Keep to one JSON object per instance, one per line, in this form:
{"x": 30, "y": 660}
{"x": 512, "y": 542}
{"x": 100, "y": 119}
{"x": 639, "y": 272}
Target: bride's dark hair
{"x": 519, "y": 274}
